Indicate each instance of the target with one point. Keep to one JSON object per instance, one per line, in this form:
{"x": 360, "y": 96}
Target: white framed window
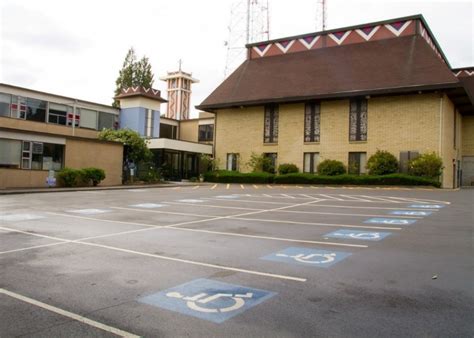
{"x": 310, "y": 163}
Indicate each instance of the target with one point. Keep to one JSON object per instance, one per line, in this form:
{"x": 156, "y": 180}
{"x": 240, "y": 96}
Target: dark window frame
{"x": 270, "y": 127}
{"x": 205, "y": 132}
{"x": 312, "y": 122}
{"x": 353, "y": 162}
{"x": 358, "y": 119}
{"x": 235, "y": 162}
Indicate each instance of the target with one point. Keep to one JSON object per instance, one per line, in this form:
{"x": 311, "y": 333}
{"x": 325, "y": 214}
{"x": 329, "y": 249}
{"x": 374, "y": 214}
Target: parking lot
{"x": 237, "y": 260}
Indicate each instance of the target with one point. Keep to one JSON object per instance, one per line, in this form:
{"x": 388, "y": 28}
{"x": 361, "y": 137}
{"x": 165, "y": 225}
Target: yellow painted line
{"x": 214, "y": 186}
{"x": 68, "y": 314}
{"x": 196, "y": 187}
{"x": 228, "y": 186}
{"x": 255, "y": 186}
{"x": 242, "y": 186}
{"x": 269, "y": 186}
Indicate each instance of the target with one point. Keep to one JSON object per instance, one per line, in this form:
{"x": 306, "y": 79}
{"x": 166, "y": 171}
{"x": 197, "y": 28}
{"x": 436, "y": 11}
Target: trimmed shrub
{"x": 224, "y": 176}
{"x": 68, "y": 177}
{"x": 260, "y": 163}
{"x": 391, "y": 179}
{"x": 426, "y": 165}
{"x": 331, "y": 168}
{"x": 382, "y": 163}
{"x": 92, "y": 175}
{"x": 287, "y": 168}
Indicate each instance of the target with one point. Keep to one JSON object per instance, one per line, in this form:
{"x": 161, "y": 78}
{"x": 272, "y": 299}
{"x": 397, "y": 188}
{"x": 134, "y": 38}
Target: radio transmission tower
{"x": 321, "y": 15}
{"x": 249, "y": 22}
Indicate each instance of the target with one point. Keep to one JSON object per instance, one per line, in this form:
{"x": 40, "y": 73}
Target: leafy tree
{"x": 136, "y": 149}
{"x": 331, "y": 168}
{"x": 133, "y": 73}
{"x": 427, "y": 165}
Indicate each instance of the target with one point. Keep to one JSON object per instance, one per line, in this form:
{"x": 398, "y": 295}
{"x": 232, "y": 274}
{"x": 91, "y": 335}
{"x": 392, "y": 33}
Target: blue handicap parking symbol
{"x": 208, "y": 299}
{"x": 410, "y": 213}
{"x": 307, "y": 257}
{"x": 427, "y": 206}
{"x": 356, "y": 234}
{"x": 390, "y": 221}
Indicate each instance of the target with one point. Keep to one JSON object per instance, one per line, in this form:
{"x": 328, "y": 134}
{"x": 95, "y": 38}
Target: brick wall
{"x": 395, "y": 123}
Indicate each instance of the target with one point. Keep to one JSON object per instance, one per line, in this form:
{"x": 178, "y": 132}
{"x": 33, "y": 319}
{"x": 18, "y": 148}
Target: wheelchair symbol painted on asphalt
{"x": 208, "y": 299}
{"x": 390, "y": 221}
{"x": 410, "y": 213}
{"x": 203, "y": 298}
{"x": 361, "y": 235}
{"x": 427, "y": 206}
{"x": 308, "y": 257}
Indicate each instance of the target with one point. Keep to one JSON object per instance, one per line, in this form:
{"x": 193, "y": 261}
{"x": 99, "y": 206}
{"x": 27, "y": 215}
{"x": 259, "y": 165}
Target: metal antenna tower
{"x": 249, "y": 22}
{"x": 321, "y": 15}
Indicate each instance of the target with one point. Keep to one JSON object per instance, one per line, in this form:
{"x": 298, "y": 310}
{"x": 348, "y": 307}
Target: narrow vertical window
{"x": 232, "y": 162}
{"x": 358, "y": 120}
{"x": 357, "y": 163}
{"x": 312, "y": 121}
{"x": 271, "y": 124}
{"x": 311, "y": 161}
{"x": 455, "y": 129}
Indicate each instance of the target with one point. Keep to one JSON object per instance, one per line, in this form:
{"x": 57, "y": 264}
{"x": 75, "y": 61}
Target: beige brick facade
{"x": 420, "y": 122}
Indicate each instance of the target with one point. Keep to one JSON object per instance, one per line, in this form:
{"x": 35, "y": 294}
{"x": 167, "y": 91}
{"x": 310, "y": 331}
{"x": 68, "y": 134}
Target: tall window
{"x": 10, "y": 153}
{"x": 357, "y": 162}
{"x": 89, "y": 118}
{"x": 271, "y": 124}
{"x": 405, "y": 158}
{"x": 42, "y": 156}
{"x": 206, "y": 132}
{"x": 36, "y": 110}
{"x": 5, "y": 100}
{"x": 358, "y": 120}
{"x": 311, "y": 161}
{"x": 312, "y": 121}
{"x": 233, "y": 162}
{"x": 149, "y": 123}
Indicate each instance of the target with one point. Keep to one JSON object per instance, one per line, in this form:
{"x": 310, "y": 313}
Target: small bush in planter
{"x": 92, "y": 175}
{"x": 68, "y": 177}
{"x": 382, "y": 163}
{"x": 331, "y": 168}
{"x": 287, "y": 168}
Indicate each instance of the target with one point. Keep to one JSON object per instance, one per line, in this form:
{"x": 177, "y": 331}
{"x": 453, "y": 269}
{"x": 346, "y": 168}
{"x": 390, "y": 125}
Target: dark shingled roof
{"x": 397, "y": 65}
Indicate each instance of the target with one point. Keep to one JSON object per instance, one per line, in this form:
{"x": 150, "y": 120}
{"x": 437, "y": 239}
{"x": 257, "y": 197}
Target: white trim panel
{"x": 165, "y": 143}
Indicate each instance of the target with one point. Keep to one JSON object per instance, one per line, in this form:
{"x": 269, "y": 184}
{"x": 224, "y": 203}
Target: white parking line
{"x": 68, "y": 314}
{"x": 32, "y": 247}
{"x": 315, "y": 224}
{"x": 165, "y": 212}
{"x": 331, "y": 197}
{"x": 187, "y": 261}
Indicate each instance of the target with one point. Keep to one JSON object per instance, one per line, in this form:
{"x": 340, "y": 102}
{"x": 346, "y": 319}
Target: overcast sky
{"x": 76, "y": 48}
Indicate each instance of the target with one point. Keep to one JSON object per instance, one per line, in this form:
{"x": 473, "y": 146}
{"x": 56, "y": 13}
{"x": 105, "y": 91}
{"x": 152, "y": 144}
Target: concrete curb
{"x": 116, "y": 187}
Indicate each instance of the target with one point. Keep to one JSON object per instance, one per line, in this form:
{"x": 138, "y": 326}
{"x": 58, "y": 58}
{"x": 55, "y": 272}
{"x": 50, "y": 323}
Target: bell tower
{"x": 179, "y": 93}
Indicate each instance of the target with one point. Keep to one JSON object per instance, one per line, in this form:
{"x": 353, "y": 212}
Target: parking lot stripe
{"x": 187, "y": 261}
{"x": 255, "y": 186}
{"x": 68, "y": 314}
{"x": 242, "y": 186}
{"x": 228, "y": 186}
{"x": 331, "y": 197}
{"x": 196, "y": 187}
{"x": 316, "y": 205}
{"x": 164, "y": 212}
{"x": 269, "y": 237}
{"x": 298, "y": 211}
{"x": 315, "y": 224}
{"x": 269, "y": 186}
{"x": 32, "y": 233}
{"x": 33, "y": 247}
{"x": 98, "y": 219}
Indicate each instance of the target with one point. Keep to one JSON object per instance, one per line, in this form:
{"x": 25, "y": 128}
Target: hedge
{"x": 224, "y": 176}
{"x": 392, "y": 179}
{"x": 69, "y": 177}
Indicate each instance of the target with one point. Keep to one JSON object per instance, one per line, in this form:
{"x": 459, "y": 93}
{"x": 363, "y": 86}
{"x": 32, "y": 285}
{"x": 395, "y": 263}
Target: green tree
{"x": 260, "y": 163}
{"x": 133, "y": 74}
{"x": 382, "y": 163}
{"x": 136, "y": 149}
{"x": 143, "y": 73}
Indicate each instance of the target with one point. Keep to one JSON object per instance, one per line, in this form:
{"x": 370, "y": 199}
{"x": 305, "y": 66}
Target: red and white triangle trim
{"x": 310, "y": 45}
{"x": 262, "y": 53}
{"x": 341, "y": 40}
{"x": 369, "y": 36}
{"x": 285, "y": 49}
{"x": 400, "y": 31}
